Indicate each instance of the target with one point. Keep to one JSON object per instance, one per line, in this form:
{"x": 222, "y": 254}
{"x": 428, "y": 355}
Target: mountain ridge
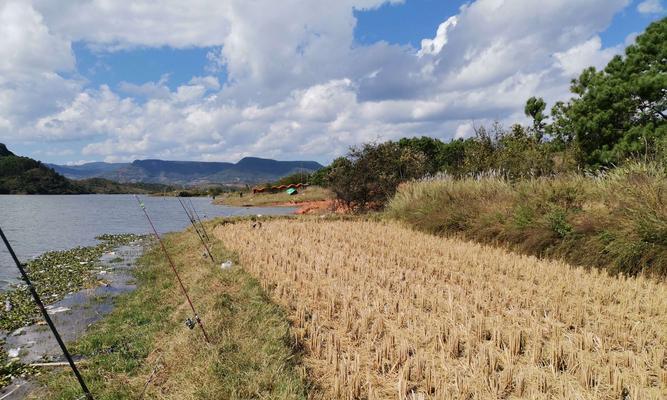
{"x": 248, "y": 170}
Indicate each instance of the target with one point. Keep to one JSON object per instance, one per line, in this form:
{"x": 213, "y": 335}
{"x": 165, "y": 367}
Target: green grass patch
{"x": 144, "y": 345}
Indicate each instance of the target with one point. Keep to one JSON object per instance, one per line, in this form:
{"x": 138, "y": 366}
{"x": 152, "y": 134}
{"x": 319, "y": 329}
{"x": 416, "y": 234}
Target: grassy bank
{"x": 617, "y": 221}
{"x": 312, "y": 193}
{"x": 144, "y": 345}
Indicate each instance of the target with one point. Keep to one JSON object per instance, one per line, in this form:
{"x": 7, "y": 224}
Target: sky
{"x": 218, "y": 80}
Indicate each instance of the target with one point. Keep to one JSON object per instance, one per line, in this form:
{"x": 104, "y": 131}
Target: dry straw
{"x": 384, "y": 312}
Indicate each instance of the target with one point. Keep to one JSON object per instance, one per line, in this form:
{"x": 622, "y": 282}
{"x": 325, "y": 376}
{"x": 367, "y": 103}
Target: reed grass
{"x": 387, "y": 312}
{"x": 615, "y": 221}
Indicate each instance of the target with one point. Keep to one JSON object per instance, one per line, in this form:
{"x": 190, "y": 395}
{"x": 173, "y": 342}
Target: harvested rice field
{"x": 384, "y": 312}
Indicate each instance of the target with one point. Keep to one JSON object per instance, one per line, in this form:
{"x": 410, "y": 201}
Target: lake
{"x": 36, "y": 224}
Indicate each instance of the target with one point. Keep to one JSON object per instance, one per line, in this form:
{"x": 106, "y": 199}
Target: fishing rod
{"x": 173, "y": 268}
{"x": 199, "y": 219}
{"x": 46, "y": 316}
{"x": 194, "y": 225}
{"x": 189, "y": 215}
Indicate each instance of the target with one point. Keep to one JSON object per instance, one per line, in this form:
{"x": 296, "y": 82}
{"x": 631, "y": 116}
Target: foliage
{"x": 23, "y": 175}
{"x": 535, "y": 109}
{"x": 319, "y": 177}
{"x": 619, "y": 112}
{"x": 297, "y": 177}
{"x": 369, "y": 175}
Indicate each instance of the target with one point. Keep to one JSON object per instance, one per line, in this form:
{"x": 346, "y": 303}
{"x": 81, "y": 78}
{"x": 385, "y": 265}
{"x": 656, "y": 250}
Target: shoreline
{"x": 77, "y": 287}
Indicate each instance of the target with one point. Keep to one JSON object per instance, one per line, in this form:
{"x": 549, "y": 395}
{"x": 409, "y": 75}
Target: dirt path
{"x": 384, "y": 312}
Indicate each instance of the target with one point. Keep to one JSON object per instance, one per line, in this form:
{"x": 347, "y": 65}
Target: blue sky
{"x": 223, "y": 80}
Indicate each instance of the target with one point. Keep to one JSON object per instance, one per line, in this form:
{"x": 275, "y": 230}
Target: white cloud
{"x": 28, "y": 47}
{"x": 435, "y": 45}
{"x": 30, "y": 58}
{"x": 298, "y": 85}
{"x": 650, "y": 7}
{"x": 587, "y": 54}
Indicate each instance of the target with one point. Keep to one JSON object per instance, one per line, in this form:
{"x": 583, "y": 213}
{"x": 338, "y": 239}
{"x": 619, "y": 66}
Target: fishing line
{"x": 173, "y": 267}
{"x": 194, "y": 225}
{"x": 35, "y": 296}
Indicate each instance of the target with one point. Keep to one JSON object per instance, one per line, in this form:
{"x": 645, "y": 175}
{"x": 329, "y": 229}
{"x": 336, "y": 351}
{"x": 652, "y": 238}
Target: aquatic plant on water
{"x": 55, "y": 274}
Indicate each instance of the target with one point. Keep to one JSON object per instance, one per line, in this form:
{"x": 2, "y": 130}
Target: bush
{"x": 297, "y": 177}
{"x": 370, "y": 174}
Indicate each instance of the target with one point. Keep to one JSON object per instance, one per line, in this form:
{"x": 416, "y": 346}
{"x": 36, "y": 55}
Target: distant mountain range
{"x": 250, "y": 170}
{"x": 23, "y": 175}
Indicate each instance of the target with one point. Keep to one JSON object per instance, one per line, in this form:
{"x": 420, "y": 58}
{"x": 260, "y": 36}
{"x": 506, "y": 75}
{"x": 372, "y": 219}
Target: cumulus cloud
{"x": 650, "y": 7}
{"x": 587, "y": 54}
{"x": 297, "y": 85}
{"x": 30, "y": 58}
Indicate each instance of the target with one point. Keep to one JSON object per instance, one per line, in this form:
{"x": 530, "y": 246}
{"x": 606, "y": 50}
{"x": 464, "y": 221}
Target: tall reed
{"x": 616, "y": 220}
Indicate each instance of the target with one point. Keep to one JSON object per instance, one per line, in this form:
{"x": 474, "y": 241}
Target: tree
{"x": 430, "y": 147}
{"x": 619, "y": 112}
{"x": 370, "y": 174}
{"x": 535, "y": 109}
{"x": 480, "y": 152}
{"x": 521, "y": 155}
{"x": 319, "y": 177}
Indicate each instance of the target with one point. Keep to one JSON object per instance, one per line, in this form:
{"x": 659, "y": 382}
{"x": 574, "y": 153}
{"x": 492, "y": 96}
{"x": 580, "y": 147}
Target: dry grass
{"x": 385, "y": 312}
{"x": 311, "y": 193}
{"x": 617, "y": 221}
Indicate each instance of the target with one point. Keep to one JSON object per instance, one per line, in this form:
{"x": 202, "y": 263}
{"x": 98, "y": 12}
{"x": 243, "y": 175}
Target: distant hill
{"x": 88, "y": 170}
{"x": 4, "y": 151}
{"x": 23, "y": 175}
{"x": 249, "y": 170}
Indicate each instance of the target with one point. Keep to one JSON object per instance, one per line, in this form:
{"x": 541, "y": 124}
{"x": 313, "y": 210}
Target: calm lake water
{"x": 35, "y": 224}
